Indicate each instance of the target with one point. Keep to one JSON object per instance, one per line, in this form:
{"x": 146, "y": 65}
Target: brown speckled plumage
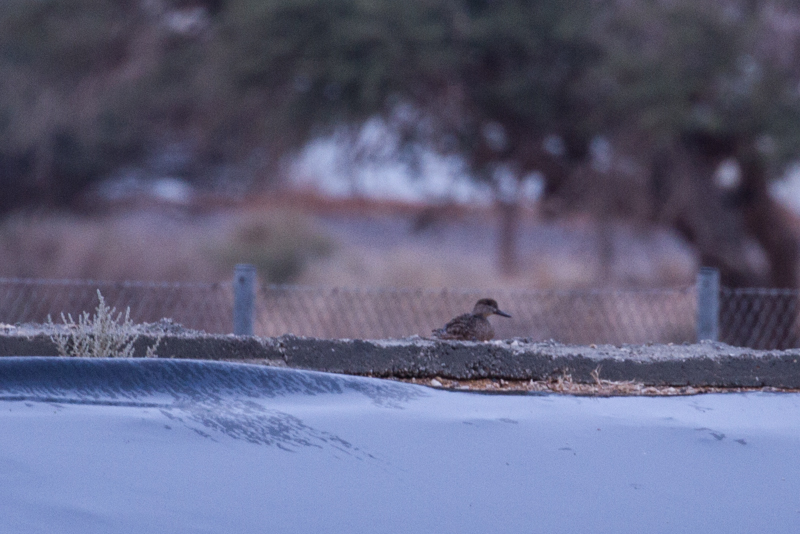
{"x": 472, "y": 326}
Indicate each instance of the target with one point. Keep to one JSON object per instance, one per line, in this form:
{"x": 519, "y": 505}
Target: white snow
{"x": 151, "y": 446}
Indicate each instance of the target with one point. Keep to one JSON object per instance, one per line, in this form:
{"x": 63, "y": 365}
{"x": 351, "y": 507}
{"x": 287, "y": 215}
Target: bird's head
{"x": 487, "y": 307}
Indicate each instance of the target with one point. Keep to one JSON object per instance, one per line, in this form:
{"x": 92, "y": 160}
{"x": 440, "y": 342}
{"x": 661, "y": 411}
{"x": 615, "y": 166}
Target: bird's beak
{"x": 502, "y": 313}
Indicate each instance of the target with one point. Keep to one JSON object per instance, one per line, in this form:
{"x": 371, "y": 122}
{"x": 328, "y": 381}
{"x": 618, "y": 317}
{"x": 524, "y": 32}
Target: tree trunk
{"x": 769, "y": 223}
{"x": 686, "y": 198}
{"x": 507, "y": 240}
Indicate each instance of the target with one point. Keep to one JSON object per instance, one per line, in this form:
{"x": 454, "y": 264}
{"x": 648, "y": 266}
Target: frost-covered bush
{"x": 102, "y": 335}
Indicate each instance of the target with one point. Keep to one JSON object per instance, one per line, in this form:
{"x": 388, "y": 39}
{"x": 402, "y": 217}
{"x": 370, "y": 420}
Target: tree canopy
{"x": 626, "y": 107}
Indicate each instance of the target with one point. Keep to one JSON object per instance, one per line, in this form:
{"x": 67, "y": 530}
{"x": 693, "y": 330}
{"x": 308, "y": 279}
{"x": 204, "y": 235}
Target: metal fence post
{"x": 244, "y": 294}
{"x": 708, "y": 304}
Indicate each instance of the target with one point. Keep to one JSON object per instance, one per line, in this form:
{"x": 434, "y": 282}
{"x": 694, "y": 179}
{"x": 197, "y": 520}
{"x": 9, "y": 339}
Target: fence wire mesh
{"x": 571, "y": 317}
{"x": 206, "y": 307}
{"x": 757, "y": 318}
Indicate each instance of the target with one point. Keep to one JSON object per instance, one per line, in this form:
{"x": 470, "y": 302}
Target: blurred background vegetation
{"x": 677, "y": 113}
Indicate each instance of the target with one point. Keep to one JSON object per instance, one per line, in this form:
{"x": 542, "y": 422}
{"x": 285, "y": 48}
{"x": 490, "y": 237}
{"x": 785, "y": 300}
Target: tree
{"x": 51, "y": 143}
{"x": 90, "y": 86}
{"x": 490, "y": 80}
{"x": 627, "y": 108}
{"x": 675, "y": 89}
{"x": 705, "y": 90}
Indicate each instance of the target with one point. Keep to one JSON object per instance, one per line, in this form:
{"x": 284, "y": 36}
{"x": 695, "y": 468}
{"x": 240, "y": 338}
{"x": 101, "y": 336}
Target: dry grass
{"x": 158, "y": 245}
{"x": 303, "y": 243}
{"x": 564, "y": 384}
{"x": 407, "y": 266}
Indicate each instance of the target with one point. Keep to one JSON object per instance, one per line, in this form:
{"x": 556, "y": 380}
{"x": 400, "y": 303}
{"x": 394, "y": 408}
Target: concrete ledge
{"x": 709, "y": 364}
{"x": 705, "y": 364}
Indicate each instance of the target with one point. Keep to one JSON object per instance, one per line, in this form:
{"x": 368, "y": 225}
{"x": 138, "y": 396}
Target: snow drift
{"x": 119, "y": 446}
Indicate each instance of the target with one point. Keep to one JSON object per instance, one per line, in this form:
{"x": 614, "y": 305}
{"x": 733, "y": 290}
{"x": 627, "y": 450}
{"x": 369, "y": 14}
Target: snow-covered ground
{"x": 146, "y": 446}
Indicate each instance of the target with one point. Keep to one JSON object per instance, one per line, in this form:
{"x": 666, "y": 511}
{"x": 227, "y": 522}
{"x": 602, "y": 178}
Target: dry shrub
{"x": 102, "y": 335}
{"x": 280, "y": 245}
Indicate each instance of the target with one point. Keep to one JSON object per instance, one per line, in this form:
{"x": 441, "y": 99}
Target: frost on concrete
{"x": 703, "y": 365}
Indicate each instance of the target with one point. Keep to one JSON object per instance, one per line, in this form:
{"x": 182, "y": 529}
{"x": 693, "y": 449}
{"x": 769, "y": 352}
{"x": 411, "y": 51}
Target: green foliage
{"x": 66, "y": 40}
{"x": 520, "y": 60}
{"x": 87, "y": 86}
{"x": 674, "y": 76}
{"x": 55, "y": 60}
{"x": 461, "y": 64}
{"x": 694, "y": 67}
{"x": 318, "y": 64}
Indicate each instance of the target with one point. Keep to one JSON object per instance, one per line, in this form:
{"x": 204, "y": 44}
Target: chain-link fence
{"x": 201, "y": 306}
{"x": 573, "y": 317}
{"x": 758, "y": 318}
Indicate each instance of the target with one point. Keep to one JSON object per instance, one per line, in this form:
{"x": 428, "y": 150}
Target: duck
{"x": 472, "y": 326}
